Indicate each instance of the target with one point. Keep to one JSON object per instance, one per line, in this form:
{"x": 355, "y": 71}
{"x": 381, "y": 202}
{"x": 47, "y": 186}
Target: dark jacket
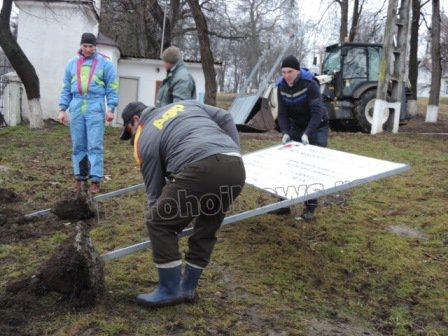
{"x": 178, "y": 85}
{"x": 300, "y": 105}
{"x": 170, "y": 137}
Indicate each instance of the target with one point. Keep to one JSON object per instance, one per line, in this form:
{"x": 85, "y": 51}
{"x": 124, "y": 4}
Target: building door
{"x": 158, "y": 85}
{"x": 128, "y": 93}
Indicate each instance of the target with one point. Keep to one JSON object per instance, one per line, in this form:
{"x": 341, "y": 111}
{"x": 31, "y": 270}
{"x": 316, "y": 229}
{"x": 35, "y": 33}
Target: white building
{"x": 49, "y": 33}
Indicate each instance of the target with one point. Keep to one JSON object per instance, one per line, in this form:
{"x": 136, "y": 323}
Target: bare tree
{"x": 444, "y": 42}
{"x": 372, "y": 26}
{"x": 206, "y": 52}
{"x": 25, "y": 70}
{"x": 137, "y": 24}
{"x": 357, "y": 10}
{"x": 343, "y": 30}
{"x": 436, "y": 68}
{"x": 413, "y": 53}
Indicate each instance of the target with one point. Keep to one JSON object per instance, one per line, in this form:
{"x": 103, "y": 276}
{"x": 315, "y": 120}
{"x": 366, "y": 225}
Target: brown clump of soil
{"x": 8, "y": 196}
{"x": 75, "y": 270}
{"x": 72, "y": 277}
{"x": 15, "y": 226}
{"x": 74, "y": 205}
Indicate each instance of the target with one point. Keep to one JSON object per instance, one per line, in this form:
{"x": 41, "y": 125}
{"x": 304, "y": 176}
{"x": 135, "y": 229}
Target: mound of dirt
{"x": 3, "y": 219}
{"x": 8, "y": 196}
{"x": 74, "y": 205}
{"x": 74, "y": 270}
{"x": 17, "y": 311}
{"x": 14, "y": 226}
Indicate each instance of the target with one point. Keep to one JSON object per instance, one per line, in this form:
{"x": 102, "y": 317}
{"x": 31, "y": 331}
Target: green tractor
{"x": 349, "y": 83}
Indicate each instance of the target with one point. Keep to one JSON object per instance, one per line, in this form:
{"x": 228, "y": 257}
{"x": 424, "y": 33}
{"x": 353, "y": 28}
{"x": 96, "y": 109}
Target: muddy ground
{"x": 71, "y": 278}
{"x": 70, "y": 281}
{"x": 16, "y": 226}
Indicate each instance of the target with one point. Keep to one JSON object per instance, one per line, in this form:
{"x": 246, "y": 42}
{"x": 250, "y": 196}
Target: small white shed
{"x": 49, "y": 33}
{"x": 140, "y": 79}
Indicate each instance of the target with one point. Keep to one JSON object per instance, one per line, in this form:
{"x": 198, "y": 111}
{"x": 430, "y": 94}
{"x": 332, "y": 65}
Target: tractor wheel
{"x": 364, "y": 111}
{"x": 343, "y": 125}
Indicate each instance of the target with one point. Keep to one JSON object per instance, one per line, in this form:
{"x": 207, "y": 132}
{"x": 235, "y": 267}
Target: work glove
{"x": 285, "y": 138}
{"x": 305, "y": 140}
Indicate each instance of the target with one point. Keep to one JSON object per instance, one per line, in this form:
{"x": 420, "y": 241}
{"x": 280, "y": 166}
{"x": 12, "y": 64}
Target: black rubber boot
{"x": 190, "y": 282}
{"x": 167, "y": 293}
{"x": 308, "y": 213}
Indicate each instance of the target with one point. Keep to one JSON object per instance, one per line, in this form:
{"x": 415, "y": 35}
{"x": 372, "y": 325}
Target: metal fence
{"x": 5, "y": 67}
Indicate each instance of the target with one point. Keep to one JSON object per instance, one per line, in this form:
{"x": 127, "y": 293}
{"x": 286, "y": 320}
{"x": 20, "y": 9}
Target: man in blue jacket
{"x": 90, "y": 78}
{"x": 301, "y": 115}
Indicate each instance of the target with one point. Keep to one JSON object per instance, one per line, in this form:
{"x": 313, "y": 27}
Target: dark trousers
{"x": 318, "y": 138}
{"x": 203, "y": 191}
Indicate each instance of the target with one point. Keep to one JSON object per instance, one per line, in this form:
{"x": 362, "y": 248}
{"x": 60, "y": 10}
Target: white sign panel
{"x": 294, "y": 170}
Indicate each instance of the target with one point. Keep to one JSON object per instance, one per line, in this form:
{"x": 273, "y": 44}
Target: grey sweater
{"x": 170, "y": 137}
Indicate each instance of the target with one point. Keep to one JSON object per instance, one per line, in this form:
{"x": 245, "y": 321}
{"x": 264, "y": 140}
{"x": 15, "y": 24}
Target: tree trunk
{"x": 21, "y": 65}
{"x": 344, "y": 20}
{"x": 413, "y": 59}
{"x": 436, "y": 66}
{"x": 140, "y": 27}
{"x": 222, "y": 76}
{"x": 355, "y": 21}
{"x": 206, "y": 53}
{"x": 235, "y": 74}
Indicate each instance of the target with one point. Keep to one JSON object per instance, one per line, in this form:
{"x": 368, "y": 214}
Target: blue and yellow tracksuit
{"x": 88, "y": 83}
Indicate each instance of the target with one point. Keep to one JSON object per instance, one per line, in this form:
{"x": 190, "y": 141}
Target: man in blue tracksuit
{"x": 90, "y": 79}
{"x": 301, "y": 115}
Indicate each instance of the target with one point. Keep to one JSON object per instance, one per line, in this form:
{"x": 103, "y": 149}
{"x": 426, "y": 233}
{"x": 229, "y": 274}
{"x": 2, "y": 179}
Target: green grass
{"x": 269, "y": 274}
{"x": 443, "y": 107}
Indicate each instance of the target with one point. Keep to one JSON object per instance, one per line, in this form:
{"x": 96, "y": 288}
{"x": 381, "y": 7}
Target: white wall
{"x": 148, "y": 71}
{"x": 50, "y": 34}
{"x": 112, "y": 52}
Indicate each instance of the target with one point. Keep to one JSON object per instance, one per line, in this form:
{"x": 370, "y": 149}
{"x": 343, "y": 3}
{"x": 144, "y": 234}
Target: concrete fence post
{"x": 11, "y": 109}
{"x": 12, "y": 99}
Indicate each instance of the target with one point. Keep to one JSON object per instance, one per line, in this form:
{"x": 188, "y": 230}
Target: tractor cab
{"x": 349, "y": 96}
{"x": 355, "y": 67}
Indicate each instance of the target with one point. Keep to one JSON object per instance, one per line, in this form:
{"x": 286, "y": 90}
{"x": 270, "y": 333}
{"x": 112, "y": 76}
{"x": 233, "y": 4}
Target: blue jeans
{"x": 318, "y": 138}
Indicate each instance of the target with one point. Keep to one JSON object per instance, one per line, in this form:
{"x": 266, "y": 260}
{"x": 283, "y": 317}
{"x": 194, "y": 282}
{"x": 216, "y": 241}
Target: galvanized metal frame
{"x": 233, "y": 218}
{"x": 258, "y": 211}
{"x": 97, "y": 198}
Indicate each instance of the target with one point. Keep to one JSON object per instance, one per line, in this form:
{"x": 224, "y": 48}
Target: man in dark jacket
{"x": 189, "y": 156}
{"x": 178, "y": 84}
{"x": 301, "y": 115}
